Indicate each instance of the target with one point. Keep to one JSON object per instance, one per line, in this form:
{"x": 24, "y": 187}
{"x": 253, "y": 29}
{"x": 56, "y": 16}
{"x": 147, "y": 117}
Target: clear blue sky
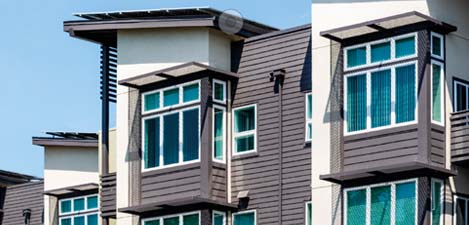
{"x": 50, "y": 81}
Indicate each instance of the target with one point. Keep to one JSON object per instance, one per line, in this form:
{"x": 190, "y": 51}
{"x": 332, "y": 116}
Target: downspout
{"x": 278, "y": 76}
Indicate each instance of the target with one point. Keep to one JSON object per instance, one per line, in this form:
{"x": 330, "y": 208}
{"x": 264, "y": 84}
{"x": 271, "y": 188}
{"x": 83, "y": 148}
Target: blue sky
{"x": 50, "y": 81}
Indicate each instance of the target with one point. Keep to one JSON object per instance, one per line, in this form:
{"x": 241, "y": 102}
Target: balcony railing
{"x": 460, "y": 137}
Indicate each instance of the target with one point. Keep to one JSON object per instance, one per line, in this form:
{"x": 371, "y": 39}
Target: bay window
{"x": 245, "y": 129}
{"x": 437, "y": 45}
{"x": 437, "y": 202}
{"x": 461, "y": 210}
{"x": 218, "y": 138}
{"x": 192, "y": 218}
{"x": 437, "y": 95}
{"x": 219, "y": 91}
{"x": 175, "y": 96}
{"x": 245, "y": 218}
{"x": 218, "y": 218}
{"x": 381, "y": 98}
{"x": 82, "y": 210}
{"x": 392, "y": 203}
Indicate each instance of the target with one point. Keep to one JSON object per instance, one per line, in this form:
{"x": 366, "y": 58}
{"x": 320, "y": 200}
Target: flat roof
{"x": 11, "y": 178}
{"x": 101, "y": 27}
{"x": 68, "y": 139}
{"x": 385, "y": 24}
{"x": 172, "y": 73}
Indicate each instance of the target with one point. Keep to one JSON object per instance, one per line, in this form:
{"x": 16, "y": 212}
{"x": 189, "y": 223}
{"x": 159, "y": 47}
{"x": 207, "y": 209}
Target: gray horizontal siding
{"x": 108, "y": 195}
{"x": 218, "y": 183}
{"x": 460, "y": 137}
{"x": 380, "y": 148}
{"x": 259, "y": 174}
{"x": 24, "y": 196}
{"x": 171, "y": 183}
{"x": 437, "y": 155}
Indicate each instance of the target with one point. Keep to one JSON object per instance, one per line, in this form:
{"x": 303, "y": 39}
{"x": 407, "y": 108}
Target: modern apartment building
{"x": 390, "y": 117}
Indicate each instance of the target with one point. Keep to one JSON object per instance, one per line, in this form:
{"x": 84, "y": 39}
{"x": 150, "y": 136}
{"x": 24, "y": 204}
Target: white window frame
{"x": 215, "y": 212}
{"x": 442, "y": 97}
{"x": 466, "y": 202}
{"x": 72, "y": 217}
{"x": 442, "y": 41}
{"x": 393, "y": 58}
{"x": 223, "y": 133}
{"x": 307, "y": 120}
{"x": 245, "y": 133}
{"x": 306, "y": 213}
{"x": 393, "y": 200}
{"x": 442, "y": 189}
{"x": 73, "y": 205}
{"x": 368, "y": 73}
{"x": 180, "y": 88}
{"x": 455, "y": 94}
{"x": 181, "y": 125}
{"x": 179, "y": 215}
{"x": 223, "y": 83}
{"x": 245, "y": 212}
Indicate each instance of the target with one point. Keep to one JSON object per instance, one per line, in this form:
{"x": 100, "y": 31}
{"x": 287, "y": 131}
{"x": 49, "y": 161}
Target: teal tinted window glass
{"x": 79, "y": 204}
{"x": 218, "y": 134}
{"x": 381, "y": 52}
{"x": 66, "y": 221}
{"x": 356, "y": 103}
{"x": 405, "y": 47}
{"x": 79, "y": 220}
{"x": 190, "y": 92}
{"x": 436, "y": 203}
{"x": 405, "y": 204}
{"x": 356, "y": 207}
{"x": 66, "y": 206}
{"x": 460, "y": 97}
{"x": 460, "y": 211}
{"x": 244, "y": 219}
{"x": 405, "y": 94}
{"x": 92, "y": 219}
{"x": 244, "y": 143}
{"x": 245, "y": 119}
{"x": 436, "y": 45}
{"x": 309, "y": 131}
{"x": 356, "y": 57}
{"x": 190, "y": 134}
{"x": 92, "y": 202}
{"x": 152, "y": 222}
{"x": 190, "y": 219}
{"x": 152, "y": 143}
{"x": 219, "y": 91}
{"x": 152, "y": 101}
{"x": 171, "y": 97}
{"x": 309, "y": 214}
{"x": 171, "y": 139}
{"x": 171, "y": 221}
{"x": 309, "y": 105}
{"x": 380, "y": 98}
{"x": 436, "y": 93}
{"x": 381, "y": 205}
{"x": 218, "y": 219}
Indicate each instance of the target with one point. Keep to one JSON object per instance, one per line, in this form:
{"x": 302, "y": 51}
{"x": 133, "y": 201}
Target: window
{"x": 437, "y": 46}
{"x": 460, "y": 95}
{"x": 171, "y": 138}
{"x": 219, "y": 91}
{"x": 81, "y": 210}
{"x": 245, "y": 126}
{"x": 309, "y": 212}
{"x": 245, "y": 218}
{"x": 390, "y": 93}
{"x": 218, "y": 218}
{"x": 219, "y": 133}
{"x": 381, "y": 204}
{"x": 380, "y": 51}
{"x": 192, "y": 218}
{"x": 437, "y": 202}
{"x": 437, "y": 92}
{"x": 309, "y": 118}
{"x": 178, "y": 95}
{"x": 461, "y": 210}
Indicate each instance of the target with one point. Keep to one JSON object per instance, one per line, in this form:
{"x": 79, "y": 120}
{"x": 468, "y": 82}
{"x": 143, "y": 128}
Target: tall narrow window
{"x": 309, "y": 214}
{"x": 437, "y": 202}
{"x": 218, "y": 218}
{"x": 244, "y": 218}
{"x": 219, "y": 91}
{"x": 309, "y": 117}
{"x": 461, "y": 210}
{"x": 381, "y": 205}
{"x": 405, "y": 93}
{"x": 356, "y": 57}
{"x": 356, "y": 103}
{"x": 190, "y": 134}
{"x": 437, "y": 92}
{"x": 356, "y": 207}
{"x": 245, "y": 129}
{"x": 405, "y": 203}
{"x": 405, "y": 47}
{"x": 437, "y": 45}
{"x": 219, "y": 134}
{"x": 152, "y": 142}
{"x": 171, "y": 139}
{"x": 460, "y": 95}
{"x": 380, "y": 98}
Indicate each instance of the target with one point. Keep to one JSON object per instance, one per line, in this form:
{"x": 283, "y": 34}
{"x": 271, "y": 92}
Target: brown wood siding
{"x": 260, "y": 173}
{"x": 24, "y": 196}
{"x": 460, "y": 136}
{"x": 108, "y": 195}
{"x": 171, "y": 183}
{"x": 380, "y": 148}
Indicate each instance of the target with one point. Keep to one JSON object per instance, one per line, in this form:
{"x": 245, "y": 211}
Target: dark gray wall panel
{"x": 438, "y": 154}
{"x": 460, "y": 137}
{"x": 24, "y": 196}
{"x": 260, "y": 173}
{"x": 108, "y": 195}
{"x": 218, "y": 183}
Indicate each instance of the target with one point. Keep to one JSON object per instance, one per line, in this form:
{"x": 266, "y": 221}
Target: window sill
{"x": 245, "y": 156}
{"x": 176, "y": 168}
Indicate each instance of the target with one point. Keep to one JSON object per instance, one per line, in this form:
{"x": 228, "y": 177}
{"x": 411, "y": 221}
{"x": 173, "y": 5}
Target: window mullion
{"x": 180, "y": 133}
{"x": 368, "y": 100}
{"x": 161, "y": 121}
{"x": 368, "y": 205}
{"x": 393, "y": 96}
{"x": 393, "y": 204}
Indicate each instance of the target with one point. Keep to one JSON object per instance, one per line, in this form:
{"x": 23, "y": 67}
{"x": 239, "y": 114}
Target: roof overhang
{"x": 173, "y": 73}
{"x": 73, "y": 190}
{"x": 183, "y": 202}
{"x": 60, "y": 142}
{"x": 8, "y": 178}
{"x": 411, "y": 168}
{"x": 386, "y": 24}
{"x": 102, "y": 27}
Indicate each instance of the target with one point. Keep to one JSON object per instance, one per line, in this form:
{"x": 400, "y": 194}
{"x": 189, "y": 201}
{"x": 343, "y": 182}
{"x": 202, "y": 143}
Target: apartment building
{"x": 390, "y": 118}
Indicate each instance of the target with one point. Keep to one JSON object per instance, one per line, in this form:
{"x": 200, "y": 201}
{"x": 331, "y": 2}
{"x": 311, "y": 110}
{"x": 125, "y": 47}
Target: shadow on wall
{"x": 305, "y": 82}
{"x": 77, "y": 159}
